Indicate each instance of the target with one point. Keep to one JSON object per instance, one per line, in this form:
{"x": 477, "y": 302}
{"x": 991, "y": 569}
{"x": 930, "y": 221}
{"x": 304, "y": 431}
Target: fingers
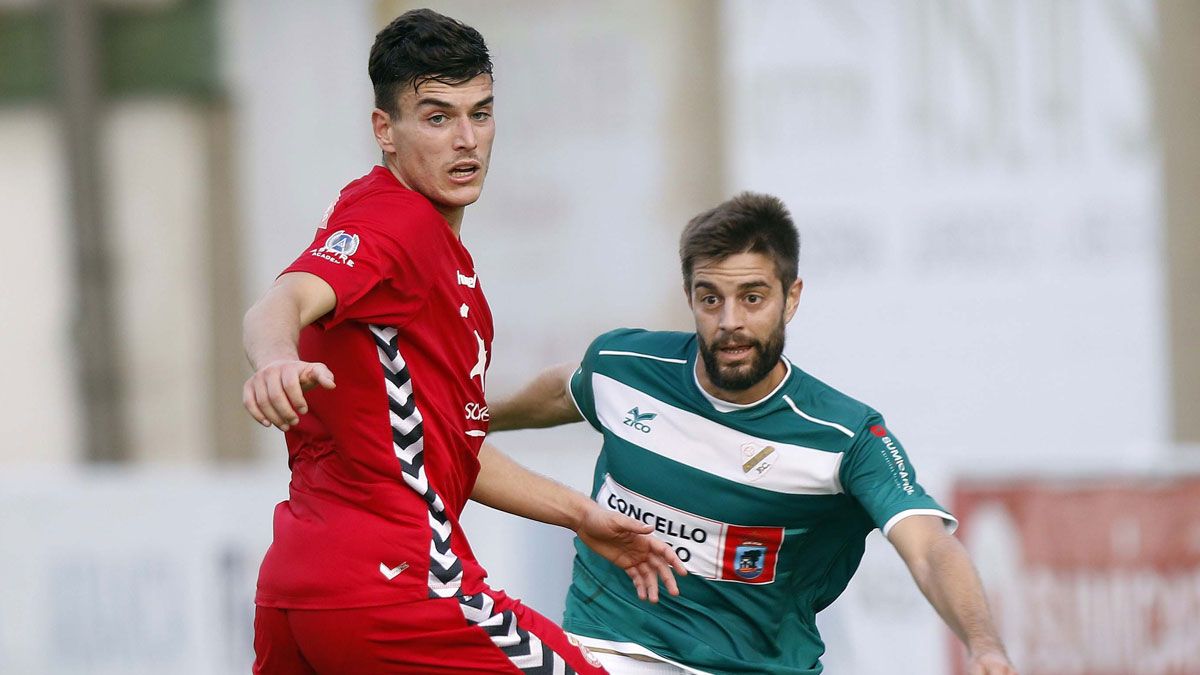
{"x": 279, "y": 400}
{"x": 671, "y": 559}
{"x": 668, "y": 579}
{"x": 638, "y": 584}
{"x": 275, "y": 394}
{"x": 651, "y": 581}
{"x": 317, "y": 374}
{"x": 264, "y": 401}
{"x": 248, "y": 400}
{"x": 644, "y": 581}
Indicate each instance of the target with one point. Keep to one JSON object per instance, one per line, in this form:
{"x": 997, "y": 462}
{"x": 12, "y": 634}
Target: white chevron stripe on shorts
{"x": 524, "y": 649}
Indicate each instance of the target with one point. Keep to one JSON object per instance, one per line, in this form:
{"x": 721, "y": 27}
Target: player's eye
{"x": 437, "y": 118}
{"x": 710, "y": 300}
{"x": 754, "y": 298}
{"x": 481, "y": 116}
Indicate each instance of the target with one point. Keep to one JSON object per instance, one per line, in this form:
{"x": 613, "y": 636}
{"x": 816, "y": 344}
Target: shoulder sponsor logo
{"x": 638, "y": 420}
{"x": 708, "y": 548}
{"x": 903, "y": 476}
{"x": 757, "y": 461}
{"x": 338, "y": 248}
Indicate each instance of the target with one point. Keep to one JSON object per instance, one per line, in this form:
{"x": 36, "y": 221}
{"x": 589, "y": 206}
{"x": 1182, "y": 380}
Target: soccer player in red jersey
{"x": 369, "y": 571}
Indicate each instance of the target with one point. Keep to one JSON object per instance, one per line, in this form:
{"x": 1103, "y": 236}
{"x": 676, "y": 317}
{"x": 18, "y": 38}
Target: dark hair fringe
{"x": 748, "y": 223}
{"x": 422, "y": 45}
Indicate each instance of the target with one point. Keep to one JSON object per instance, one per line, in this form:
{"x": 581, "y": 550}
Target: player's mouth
{"x": 735, "y": 352}
{"x": 465, "y": 172}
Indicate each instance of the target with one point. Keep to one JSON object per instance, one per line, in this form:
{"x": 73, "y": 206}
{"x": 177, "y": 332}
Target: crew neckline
{"x": 724, "y": 406}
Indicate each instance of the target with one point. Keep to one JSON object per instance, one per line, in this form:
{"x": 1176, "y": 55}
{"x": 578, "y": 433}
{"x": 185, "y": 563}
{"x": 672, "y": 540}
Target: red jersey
{"x": 383, "y": 464}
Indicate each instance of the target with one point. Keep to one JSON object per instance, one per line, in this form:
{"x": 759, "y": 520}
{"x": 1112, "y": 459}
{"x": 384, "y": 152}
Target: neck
{"x": 452, "y": 214}
{"x": 749, "y": 395}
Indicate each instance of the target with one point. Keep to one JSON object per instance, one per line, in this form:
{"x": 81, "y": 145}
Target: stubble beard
{"x": 765, "y": 356}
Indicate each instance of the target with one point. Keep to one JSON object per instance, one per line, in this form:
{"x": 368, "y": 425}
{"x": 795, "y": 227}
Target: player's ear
{"x": 381, "y": 124}
{"x": 793, "y": 298}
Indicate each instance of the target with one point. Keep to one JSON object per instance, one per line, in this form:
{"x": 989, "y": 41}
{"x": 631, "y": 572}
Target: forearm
{"x": 505, "y": 485}
{"x": 271, "y": 329}
{"x": 544, "y": 402}
{"x": 949, "y": 581}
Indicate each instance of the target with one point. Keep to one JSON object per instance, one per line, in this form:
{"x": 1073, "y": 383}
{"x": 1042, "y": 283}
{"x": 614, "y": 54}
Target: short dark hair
{"x": 421, "y": 45}
{"x": 748, "y": 223}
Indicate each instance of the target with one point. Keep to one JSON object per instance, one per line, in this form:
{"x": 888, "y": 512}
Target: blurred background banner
{"x": 1092, "y": 577}
{"x": 999, "y": 204}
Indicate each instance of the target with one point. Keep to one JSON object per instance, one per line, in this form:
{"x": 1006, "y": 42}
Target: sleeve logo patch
{"x": 900, "y": 469}
{"x": 338, "y": 248}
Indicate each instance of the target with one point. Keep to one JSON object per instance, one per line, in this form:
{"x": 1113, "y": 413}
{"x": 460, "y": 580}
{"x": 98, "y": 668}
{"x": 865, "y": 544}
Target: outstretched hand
{"x": 275, "y": 394}
{"x": 629, "y": 545}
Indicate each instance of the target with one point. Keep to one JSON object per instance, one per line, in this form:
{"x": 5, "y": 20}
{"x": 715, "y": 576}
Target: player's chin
{"x": 462, "y": 195}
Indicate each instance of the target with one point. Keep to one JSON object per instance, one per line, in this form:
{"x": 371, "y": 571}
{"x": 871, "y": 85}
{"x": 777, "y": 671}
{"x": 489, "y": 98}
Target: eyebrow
{"x": 439, "y": 103}
{"x": 749, "y": 285}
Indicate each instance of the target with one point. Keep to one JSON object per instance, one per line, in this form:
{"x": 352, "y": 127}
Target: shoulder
{"x": 821, "y": 404}
{"x": 638, "y": 343}
{"x": 378, "y": 203}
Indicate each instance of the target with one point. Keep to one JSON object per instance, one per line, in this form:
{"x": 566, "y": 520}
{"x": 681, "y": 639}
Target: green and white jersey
{"x": 767, "y": 504}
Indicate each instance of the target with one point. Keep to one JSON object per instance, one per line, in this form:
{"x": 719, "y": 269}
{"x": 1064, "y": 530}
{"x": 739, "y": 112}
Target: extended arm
{"x": 944, "y": 573}
{"x": 271, "y": 331}
{"x": 544, "y": 402}
{"x": 503, "y": 484}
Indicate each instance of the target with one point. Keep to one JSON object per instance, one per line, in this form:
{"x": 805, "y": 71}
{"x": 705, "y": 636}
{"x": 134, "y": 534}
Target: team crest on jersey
{"x": 751, "y": 554}
{"x": 751, "y": 558}
{"x": 756, "y": 460}
{"x": 338, "y": 248}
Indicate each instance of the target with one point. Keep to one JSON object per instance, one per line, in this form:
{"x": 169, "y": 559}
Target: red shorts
{"x": 485, "y": 633}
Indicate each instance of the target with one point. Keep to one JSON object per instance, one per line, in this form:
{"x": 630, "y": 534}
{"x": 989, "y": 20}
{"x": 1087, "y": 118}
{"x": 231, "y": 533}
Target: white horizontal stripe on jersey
{"x": 815, "y": 420}
{"x": 709, "y": 446}
{"x": 612, "y": 352}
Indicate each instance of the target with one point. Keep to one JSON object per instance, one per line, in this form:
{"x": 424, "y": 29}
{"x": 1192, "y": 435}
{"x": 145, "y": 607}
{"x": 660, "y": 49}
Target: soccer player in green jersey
{"x": 764, "y": 480}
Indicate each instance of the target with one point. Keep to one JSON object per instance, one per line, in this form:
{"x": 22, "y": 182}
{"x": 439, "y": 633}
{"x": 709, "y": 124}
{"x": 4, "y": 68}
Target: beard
{"x": 763, "y": 357}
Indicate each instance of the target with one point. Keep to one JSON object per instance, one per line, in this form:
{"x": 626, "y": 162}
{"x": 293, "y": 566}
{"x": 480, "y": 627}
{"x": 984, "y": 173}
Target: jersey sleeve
{"x": 878, "y": 474}
{"x": 355, "y": 257}
{"x": 580, "y": 385}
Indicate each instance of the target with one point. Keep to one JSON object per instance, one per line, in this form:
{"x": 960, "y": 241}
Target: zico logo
{"x": 638, "y": 420}
{"x": 903, "y": 477}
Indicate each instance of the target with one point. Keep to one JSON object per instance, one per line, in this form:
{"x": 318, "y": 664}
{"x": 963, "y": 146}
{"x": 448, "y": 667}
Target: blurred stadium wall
{"x": 999, "y": 203}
